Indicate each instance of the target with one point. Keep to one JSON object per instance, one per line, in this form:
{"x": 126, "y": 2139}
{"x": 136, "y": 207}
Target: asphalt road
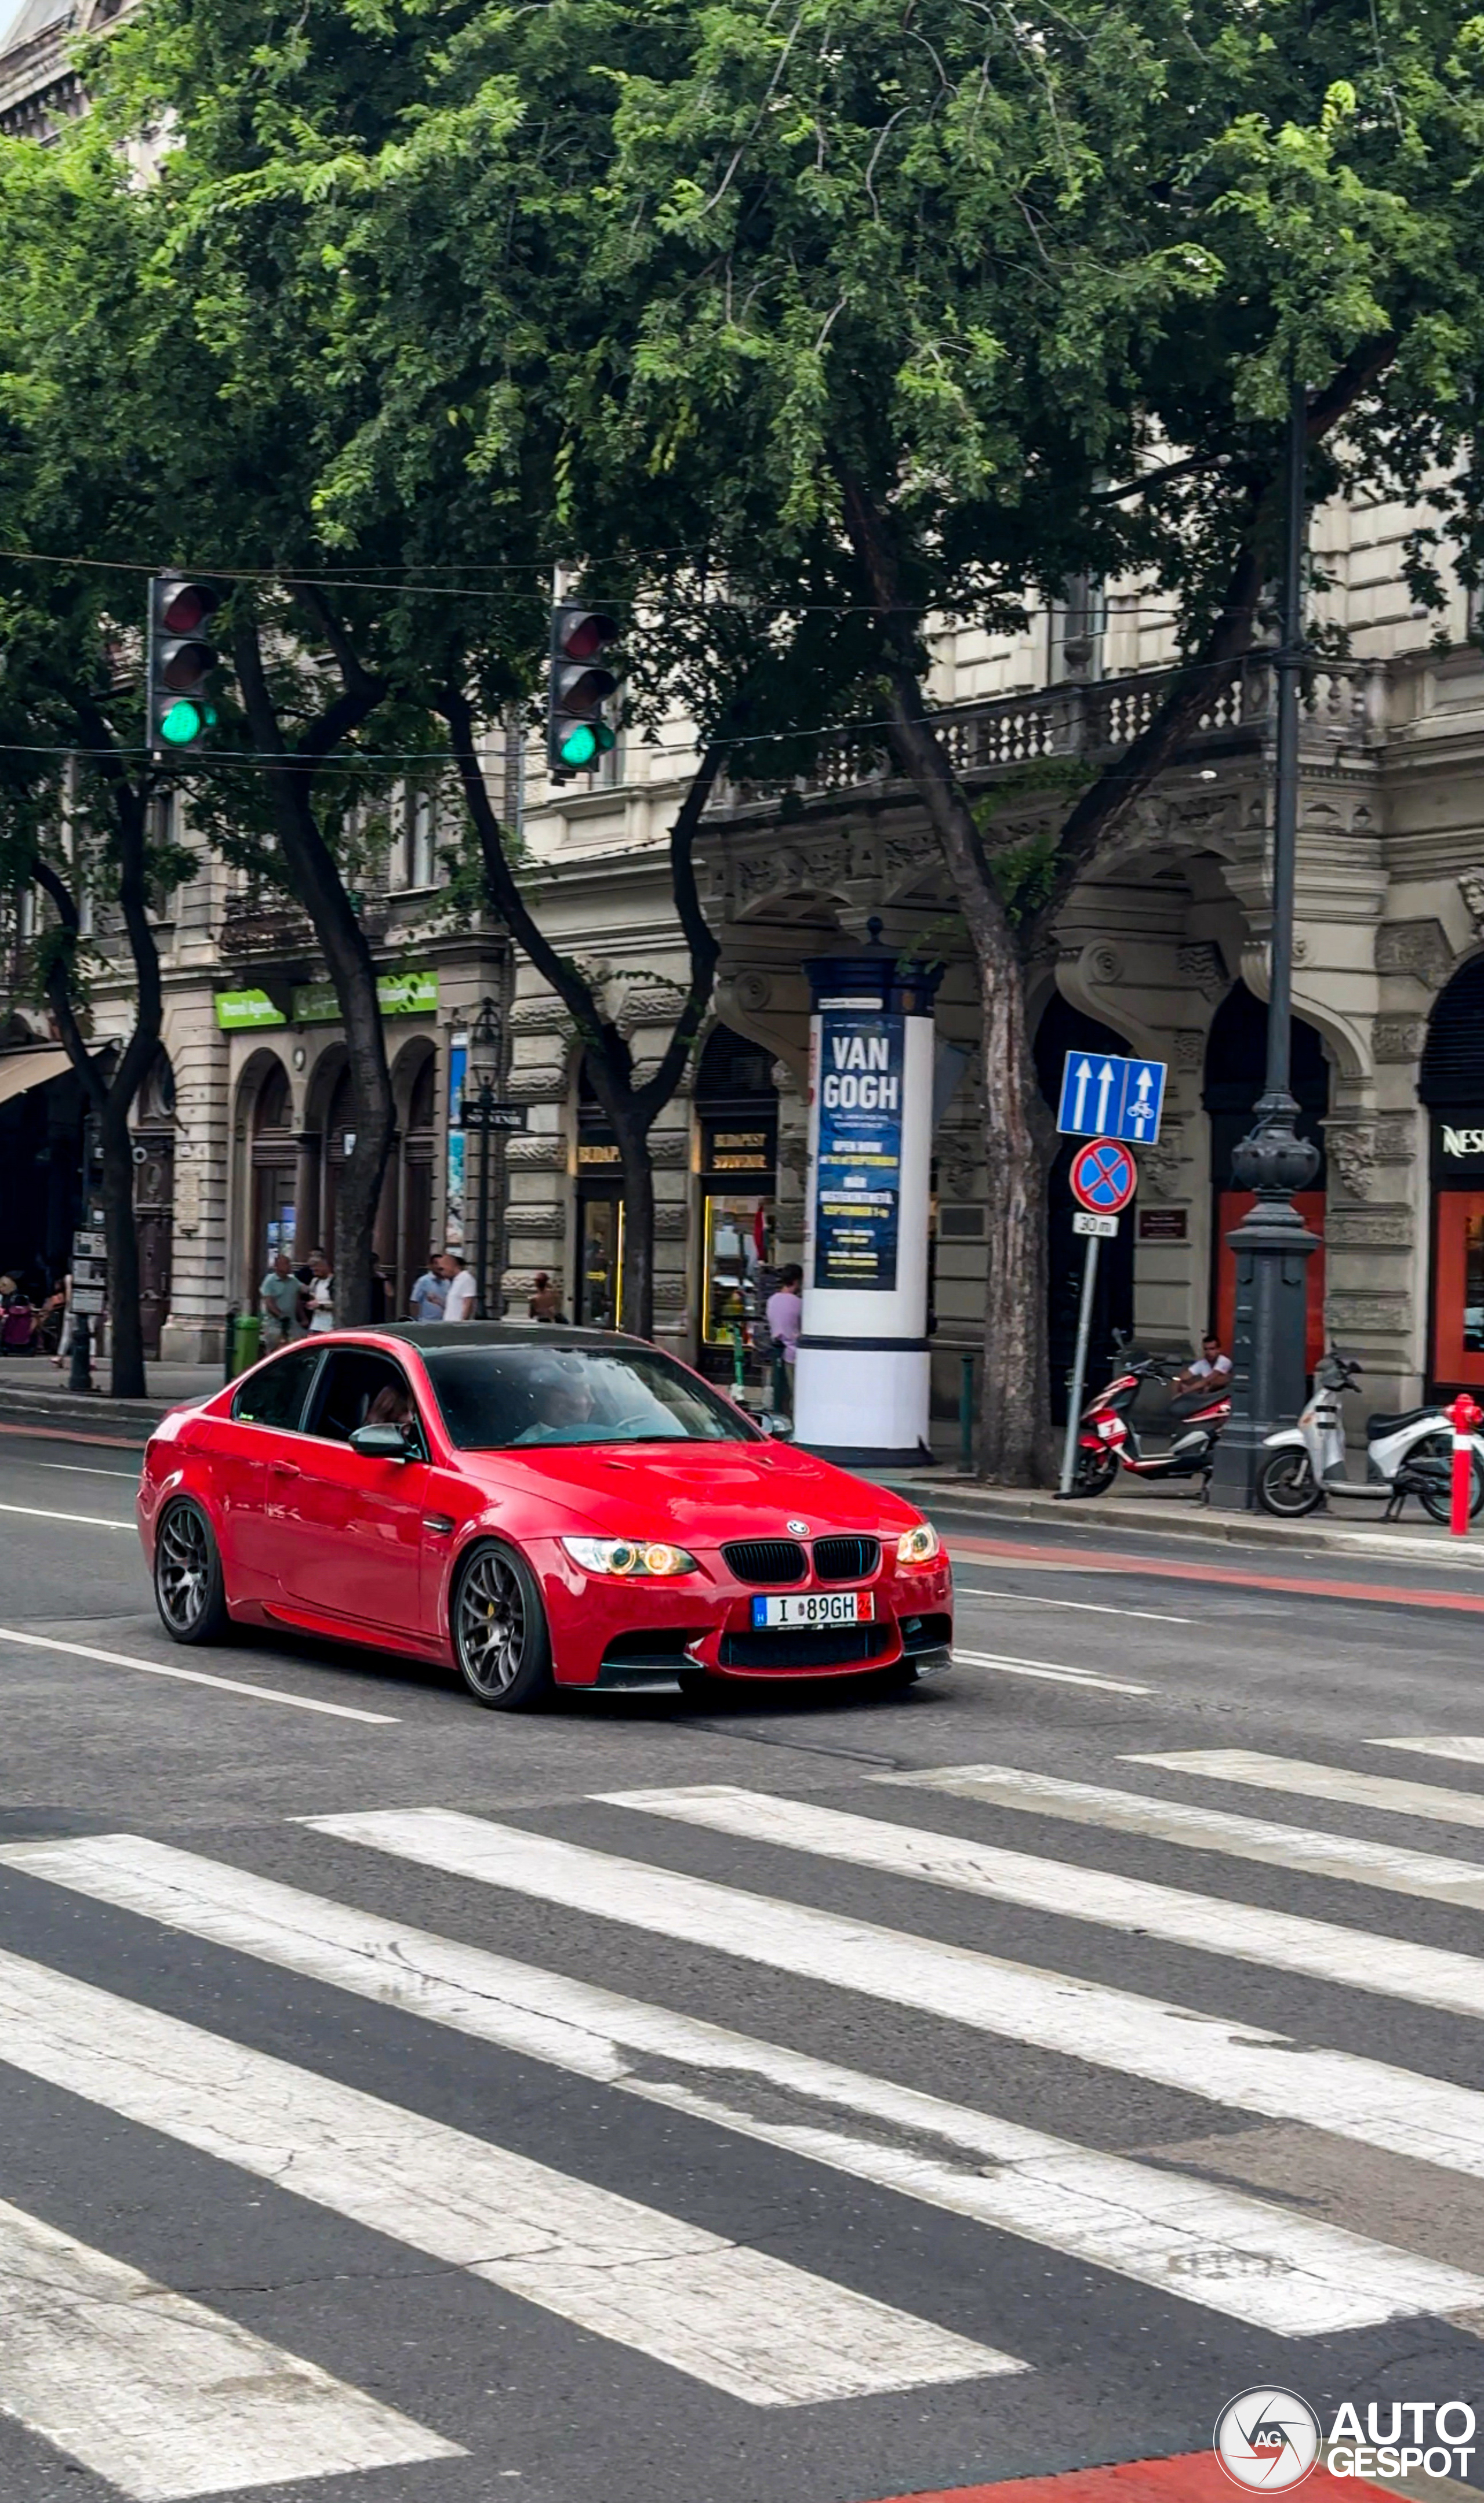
{"x": 815, "y": 2096}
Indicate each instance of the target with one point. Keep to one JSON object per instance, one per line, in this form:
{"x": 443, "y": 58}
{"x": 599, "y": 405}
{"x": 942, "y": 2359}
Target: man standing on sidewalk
{"x": 278, "y": 1300}
{"x": 784, "y": 1320}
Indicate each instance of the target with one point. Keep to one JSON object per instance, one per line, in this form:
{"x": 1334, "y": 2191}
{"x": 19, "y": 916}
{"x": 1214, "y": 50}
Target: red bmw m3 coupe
{"x": 536, "y": 1506}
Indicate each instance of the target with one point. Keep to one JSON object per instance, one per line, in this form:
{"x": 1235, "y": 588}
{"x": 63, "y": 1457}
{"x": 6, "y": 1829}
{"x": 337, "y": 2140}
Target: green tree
{"x": 919, "y": 310}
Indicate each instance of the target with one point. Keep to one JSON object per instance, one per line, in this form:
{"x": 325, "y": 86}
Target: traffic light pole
{"x": 1272, "y": 1245}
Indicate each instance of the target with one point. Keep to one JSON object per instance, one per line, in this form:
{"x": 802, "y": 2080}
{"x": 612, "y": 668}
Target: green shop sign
{"x": 316, "y": 1004}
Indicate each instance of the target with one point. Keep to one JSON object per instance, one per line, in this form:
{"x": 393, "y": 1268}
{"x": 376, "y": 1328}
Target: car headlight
{"x": 627, "y": 1557}
{"x": 918, "y": 1546}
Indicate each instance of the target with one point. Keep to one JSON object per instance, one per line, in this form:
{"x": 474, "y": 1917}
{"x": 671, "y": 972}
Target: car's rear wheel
{"x": 189, "y": 1591}
{"x": 501, "y": 1640}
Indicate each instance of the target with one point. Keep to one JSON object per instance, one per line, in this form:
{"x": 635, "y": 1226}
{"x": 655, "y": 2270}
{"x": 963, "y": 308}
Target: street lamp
{"x": 1272, "y": 1244}
{"x": 485, "y": 1077}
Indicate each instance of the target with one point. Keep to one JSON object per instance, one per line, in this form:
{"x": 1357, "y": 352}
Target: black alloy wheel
{"x": 1437, "y": 1501}
{"x": 1286, "y": 1483}
{"x": 1095, "y": 1472}
{"x": 188, "y": 1588}
{"x": 501, "y": 1640}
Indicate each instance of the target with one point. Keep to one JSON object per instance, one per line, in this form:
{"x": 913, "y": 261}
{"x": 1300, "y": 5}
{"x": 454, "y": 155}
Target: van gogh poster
{"x": 858, "y": 1185}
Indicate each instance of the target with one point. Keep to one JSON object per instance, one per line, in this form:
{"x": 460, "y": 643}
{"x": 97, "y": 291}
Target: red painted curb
{"x": 1195, "y": 2477}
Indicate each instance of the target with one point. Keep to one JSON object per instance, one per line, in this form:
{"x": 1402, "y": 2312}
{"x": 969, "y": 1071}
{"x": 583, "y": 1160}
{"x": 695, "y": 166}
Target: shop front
{"x": 1451, "y": 1086}
{"x": 736, "y": 1105}
{"x": 1236, "y": 1075}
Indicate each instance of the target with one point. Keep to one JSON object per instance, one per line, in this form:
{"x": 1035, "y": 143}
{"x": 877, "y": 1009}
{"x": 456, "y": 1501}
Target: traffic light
{"x": 181, "y": 660}
{"x": 576, "y": 733}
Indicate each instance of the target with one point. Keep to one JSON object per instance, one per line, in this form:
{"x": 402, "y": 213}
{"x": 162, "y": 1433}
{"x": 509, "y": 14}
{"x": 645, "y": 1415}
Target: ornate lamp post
{"x": 485, "y": 1076}
{"x": 1272, "y": 1245}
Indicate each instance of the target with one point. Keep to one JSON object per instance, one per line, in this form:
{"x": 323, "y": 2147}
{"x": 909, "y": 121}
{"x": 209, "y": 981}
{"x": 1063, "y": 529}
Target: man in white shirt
{"x": 463, "y": 1288}
{"x": 321, "y": 1294}
{"x": 1210, "y": 1370}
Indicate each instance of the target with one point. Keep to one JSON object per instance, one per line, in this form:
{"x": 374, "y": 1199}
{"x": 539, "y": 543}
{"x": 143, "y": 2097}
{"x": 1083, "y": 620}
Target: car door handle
{"x": 438, "y": 1523}
{"x": 283, "y": 1469}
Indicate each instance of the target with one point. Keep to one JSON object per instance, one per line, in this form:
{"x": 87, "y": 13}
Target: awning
{"x": 20, "y": 1071}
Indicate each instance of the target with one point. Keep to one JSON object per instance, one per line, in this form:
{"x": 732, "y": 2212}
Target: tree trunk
{"x": 126, "y": 1351}
{"x": 1014, "y": 1421}
{"x": 638, "y": 1292}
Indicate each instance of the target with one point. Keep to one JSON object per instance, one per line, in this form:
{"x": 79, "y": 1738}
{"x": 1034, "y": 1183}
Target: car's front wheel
{"x": 501, "y": 1640}
{"x": 189, "y": 1591}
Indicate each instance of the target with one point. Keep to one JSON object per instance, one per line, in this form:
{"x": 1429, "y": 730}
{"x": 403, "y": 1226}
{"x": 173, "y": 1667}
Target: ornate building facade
{"x": 1163, "y": 953}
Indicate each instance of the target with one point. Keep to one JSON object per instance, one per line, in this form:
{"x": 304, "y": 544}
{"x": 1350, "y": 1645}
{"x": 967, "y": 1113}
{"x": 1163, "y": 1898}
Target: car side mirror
{"x": 777, "y": 1427}
{"x": 386, "y": 1442}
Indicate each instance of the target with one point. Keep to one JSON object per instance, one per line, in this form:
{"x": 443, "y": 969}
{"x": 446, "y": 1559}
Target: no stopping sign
{"x": 1104, "y": 1177}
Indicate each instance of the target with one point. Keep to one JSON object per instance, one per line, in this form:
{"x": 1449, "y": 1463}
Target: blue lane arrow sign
{"x": 1107, "y": 1097}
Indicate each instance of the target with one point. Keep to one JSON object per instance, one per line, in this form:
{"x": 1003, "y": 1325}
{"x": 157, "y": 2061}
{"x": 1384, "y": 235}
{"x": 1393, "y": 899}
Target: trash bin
{"x": 247, "y": 1341}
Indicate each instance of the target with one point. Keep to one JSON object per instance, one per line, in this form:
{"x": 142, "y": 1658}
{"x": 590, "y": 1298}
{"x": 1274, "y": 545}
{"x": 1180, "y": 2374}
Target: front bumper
{"x": 613, "y": 1633}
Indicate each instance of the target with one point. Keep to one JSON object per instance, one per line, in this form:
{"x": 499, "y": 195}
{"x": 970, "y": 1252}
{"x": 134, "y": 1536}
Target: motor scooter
{"x": 1109, "y": 1439}
{"x": 1412, "y": 1454}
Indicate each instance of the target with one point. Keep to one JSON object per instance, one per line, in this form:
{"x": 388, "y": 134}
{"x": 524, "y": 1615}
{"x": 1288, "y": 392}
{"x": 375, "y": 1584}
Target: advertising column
{"x": 862, "y": 1384}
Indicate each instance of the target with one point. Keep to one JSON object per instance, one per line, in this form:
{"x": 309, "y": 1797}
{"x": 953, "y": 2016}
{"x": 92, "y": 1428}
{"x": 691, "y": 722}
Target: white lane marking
{"x": 1222, "y": 2248}
{"x": 1297, "y": 1848}
{"x": 160, "y": 2396}
{"x": 76, "y": 1520}
{"x": 1257, "y": 1771}
{"x": 1053, "y": 1670}
{"x": 1217, "y": 2059}
{"x": 192, "y": 1676}
{"x": 756, "y": 2327}
{"x": 1280, "y": 1941}
{"x": 1084, "y": 1607}
{"x": 81, "y": 1469}
{"x": 1457, "y": 1751}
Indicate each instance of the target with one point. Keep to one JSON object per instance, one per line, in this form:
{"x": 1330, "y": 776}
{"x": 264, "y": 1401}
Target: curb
{"x": 61, "y": 1410}
{"x": 1243, "y": 1529}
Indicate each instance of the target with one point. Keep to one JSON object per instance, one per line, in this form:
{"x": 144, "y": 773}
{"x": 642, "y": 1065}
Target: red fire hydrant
{"x": 1464, "y": 1415}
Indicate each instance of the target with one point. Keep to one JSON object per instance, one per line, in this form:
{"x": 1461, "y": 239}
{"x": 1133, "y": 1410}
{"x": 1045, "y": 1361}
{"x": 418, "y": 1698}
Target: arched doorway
{"x": 736, "y": 1104}
{"x": 1235, "y": 1074}
{"x": 1451, "y": 1084}
{"x": 273, "y": 1156}
{"x": 153, "y": 1126}
{"x": 1063, "y": 1029}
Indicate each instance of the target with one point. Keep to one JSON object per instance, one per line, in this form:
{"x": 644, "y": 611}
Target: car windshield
{"x": 507, "y": 1398}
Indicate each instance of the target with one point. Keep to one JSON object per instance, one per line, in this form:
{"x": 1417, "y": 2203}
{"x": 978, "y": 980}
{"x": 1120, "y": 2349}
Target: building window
{"x": 1078, "y": 625}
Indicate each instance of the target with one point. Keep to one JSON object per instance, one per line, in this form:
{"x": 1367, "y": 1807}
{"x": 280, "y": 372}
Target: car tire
{"x": 695, "y": 1686}
{"x": 502, "y": 1643}
{"x": 190, "y": 1589}
{"x": 897, "y": 1679}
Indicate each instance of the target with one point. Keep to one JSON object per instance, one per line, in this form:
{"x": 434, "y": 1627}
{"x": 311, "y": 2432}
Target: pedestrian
{"x": 462, "y": 1289}
{"x": 784, "y": 1320}
{"x": 429, "y": 1292}
{"x": 544, "y": 1299}
{"x": 321, "y": 1294}
{"x": 278, "y": 1301}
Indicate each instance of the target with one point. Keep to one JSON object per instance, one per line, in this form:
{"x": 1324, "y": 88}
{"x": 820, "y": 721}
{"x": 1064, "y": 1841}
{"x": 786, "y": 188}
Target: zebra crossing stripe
{"x": 1456, "y": 1750}
{"x": 1218, "y": 2060}
{"x": 1307, "y": 1852}
{"x": 1281, "y": 1941}
{"x": 755, "y": 2327}
{"x": 160, "y": 2396}
{"x": 1251, "y": 1768}
{"x": 1222, "y": 2248}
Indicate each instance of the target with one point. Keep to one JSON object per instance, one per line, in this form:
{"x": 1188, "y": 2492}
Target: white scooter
{"x": 1412, "y": 1454}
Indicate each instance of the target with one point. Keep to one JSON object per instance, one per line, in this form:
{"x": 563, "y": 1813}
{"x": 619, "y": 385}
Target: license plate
{"x": 816, "y": 1608}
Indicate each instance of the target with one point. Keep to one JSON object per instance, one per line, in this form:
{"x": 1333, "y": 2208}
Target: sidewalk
{"x": 33, "y": 1392}
{"x": 1135, "y": 1510}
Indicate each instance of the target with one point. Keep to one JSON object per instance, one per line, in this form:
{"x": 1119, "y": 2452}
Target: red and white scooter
{"x": 1107, "y": 1439}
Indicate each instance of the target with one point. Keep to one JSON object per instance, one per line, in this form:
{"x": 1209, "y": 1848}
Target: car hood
{"x": 699, "y": 1492}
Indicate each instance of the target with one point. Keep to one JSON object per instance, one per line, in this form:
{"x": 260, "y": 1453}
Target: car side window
{"x": 361, "y": 1388}
{"x": 276, "y": 1393}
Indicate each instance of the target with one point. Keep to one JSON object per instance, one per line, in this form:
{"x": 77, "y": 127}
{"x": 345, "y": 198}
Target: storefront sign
{"x": 858, "y": 1186}
{"x": 316, "y": 1004}
{"x": 396, "y": 995}
{"x": 1162, "y": 1225}
{"x": 1454, "y": 1142}
{"x": 238, "y": 1010}
{"x": 726, "y": 1148}
{"x": 591, "y": 1156}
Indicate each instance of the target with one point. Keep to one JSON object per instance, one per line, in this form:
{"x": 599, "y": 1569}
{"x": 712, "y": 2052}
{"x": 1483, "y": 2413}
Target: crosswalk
{"x": 694, "y": 1959}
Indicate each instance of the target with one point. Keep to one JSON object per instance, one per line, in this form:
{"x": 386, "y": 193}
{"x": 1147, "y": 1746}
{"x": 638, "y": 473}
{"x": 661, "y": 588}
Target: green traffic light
{"x": 183, "y": 723}
{"x": 580, "y": 745}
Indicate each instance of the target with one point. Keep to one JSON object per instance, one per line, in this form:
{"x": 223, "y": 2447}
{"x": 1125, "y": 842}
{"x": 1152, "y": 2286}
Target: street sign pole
{"x": 1079, "y": 1366}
